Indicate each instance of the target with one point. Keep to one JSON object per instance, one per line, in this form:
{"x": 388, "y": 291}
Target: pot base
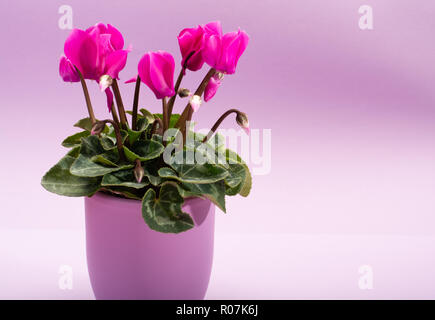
{"x": 128, "y": 260}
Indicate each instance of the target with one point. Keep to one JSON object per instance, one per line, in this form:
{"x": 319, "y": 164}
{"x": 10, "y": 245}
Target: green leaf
{"x": 85, "y": 124}
{"x": 59, "y": 180}
{"x": 108, "y": 140}
{"x": 91, "y": 146}
{"x": 235, "y": 179}
{"x": 247, "y": 183}
{"x": 75, "y": 139}
{"x": 125, "y": 192}
{"x": 150, "y": 171}
{"x": 124, "y": 178}
{"x": 172, "y": 121}
{"x": 147, "y": 115}
{"x": 215, "y": 192}
{"x": 144, "y": 150}
{"x": 85, "y": 167}
{"x": 195, "y": 173}
{"x": 74, "y": 152}
{"x": 233, "y": 158}
{"x": 105, "y": 160}
{"x": 142, "y": 124}
{"x": 133, "y": 135}
{"x": 164, "y": 214}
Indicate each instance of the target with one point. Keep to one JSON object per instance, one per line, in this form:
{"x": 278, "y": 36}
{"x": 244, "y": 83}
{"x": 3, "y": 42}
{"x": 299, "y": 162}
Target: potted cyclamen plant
{"x": 153, "y": 168}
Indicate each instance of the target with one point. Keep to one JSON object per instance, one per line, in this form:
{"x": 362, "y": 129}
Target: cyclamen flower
{"x": 222, "y": 52}
{"x": 212, "y": 86}
{"x": 192, "y": 40}
{"x": 95, "y": 52}
{"x": 67, "y": 71}
{"x": 156, "y": 70}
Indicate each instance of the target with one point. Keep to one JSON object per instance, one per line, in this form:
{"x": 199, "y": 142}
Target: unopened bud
{"x": 105, "y": 82}
{"x": 183, "y": 92}
{"x": 139, "y": 172}
{"x": 98, "y": 127}
{"x": 195, "y": 102}
{"x": 242, "y": 120}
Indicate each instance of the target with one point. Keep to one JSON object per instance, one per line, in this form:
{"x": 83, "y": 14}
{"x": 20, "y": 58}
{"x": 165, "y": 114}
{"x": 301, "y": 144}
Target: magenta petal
{"x": 109, "y": 96}
{"x": 211, "y": 88}
{"x": 192, "y": 40}
{"x": 143, "y": 69}
{"x": 81, "y": 50}
{"x": 131, "y": 80}
{"x": 234, "y": 44}
{"x": 67, "y": 70}
{"x": 115, "y": 62}
{"x": 213, "y": 28}
{"x": 116, "y": 37}
{"x": 156, "y": 70}
{"x": 212, "y": 51}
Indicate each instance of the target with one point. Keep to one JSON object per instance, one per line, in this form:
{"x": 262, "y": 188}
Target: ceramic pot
{"x": 128, "y": 260}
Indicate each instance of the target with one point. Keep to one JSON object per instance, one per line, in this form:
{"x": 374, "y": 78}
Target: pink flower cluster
{"x": 99, "y": 51}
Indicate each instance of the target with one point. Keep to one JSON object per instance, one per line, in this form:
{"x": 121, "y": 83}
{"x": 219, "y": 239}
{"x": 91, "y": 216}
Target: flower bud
{"x": 139, "y": 172}
{"x": 105, "y": 82}
{"x": 242, "y": 120}
{"x": 195, "y": 102}
{"x": 183, "y": 92}
{"x": 98, "y": 127}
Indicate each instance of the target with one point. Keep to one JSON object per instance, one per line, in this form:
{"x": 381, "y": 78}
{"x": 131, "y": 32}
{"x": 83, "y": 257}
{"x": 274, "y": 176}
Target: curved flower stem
{"x": 120, "y": 105}
{"x": 177, "y": 85}
{"x": 218, "y": 123}
{"x": 87, "y": 98}
{"x": 135, "y": 103}
{"x": 115, "y": 115}
{"x": 188, "y": 111}
{"x": 119, "y": 143}
{"x": 165, "y": 115}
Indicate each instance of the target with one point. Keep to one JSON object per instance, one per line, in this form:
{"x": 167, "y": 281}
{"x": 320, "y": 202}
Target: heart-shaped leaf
{"x": 151, "y": 172}
{"x": 193, "y": 173}
{"x": 91, "y": 146}
{"x": 215, "y": 192}
{"x": 144, "y": 150}
{"x": 164, "y": 213}
{"x": 124, "y": 192}
{"x": 59, "y": 180}
{"x": 85, "y": 124}
{"x": 235, "y": 178}
{"x": 172, "y": 121}
{"x": 124, "y": 178}
{"x": 75, "y": 139}
{"x": 85, "y": 167}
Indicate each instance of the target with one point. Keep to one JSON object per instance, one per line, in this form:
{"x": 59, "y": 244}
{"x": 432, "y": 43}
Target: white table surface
{"x": 246, "y": 266}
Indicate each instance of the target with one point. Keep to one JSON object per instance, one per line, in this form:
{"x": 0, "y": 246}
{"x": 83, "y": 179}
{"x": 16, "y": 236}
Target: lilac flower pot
{"x": 128, "y": 260}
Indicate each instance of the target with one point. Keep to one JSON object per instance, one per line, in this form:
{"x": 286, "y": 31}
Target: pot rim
{"x": 107, "y": 197}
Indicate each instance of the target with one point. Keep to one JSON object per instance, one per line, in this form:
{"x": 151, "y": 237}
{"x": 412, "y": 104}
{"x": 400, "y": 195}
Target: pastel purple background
{"x": 352, "y": 118}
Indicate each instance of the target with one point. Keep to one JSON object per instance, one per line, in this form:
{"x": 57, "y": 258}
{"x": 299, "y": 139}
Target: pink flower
{"x": 95, "y": 52}
{"x": 223, "y": 52}
{"x": 156, "y": 70}
{"x": 212, "y": 86}
{"x": 191, "y": 40}
{"x": 67, "y": 71}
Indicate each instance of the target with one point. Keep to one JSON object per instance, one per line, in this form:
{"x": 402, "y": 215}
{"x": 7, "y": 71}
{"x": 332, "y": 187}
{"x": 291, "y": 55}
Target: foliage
{"x": 94, "y": 164}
